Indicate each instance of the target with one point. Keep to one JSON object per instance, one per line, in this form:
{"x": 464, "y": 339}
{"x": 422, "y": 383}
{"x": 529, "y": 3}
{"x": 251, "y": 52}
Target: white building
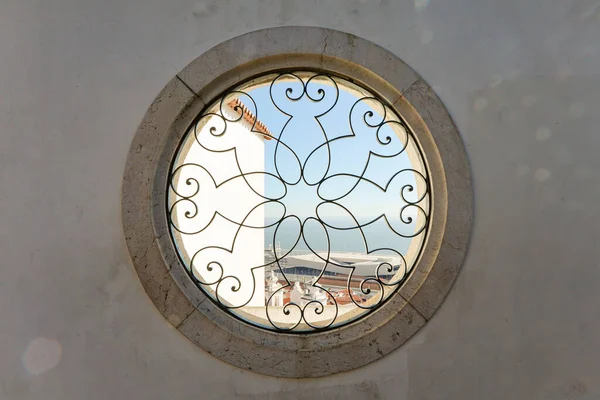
{"x": 229, "y": 196}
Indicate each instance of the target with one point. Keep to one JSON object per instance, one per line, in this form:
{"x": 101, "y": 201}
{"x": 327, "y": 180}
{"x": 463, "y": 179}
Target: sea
{"x": 319, "y": 237}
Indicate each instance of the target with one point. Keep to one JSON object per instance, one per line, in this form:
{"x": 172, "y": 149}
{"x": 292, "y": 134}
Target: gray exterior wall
{"x": 76, "y": 77}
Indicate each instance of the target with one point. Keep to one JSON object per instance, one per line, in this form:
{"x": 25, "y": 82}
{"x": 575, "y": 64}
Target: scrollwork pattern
{"x": 347, "y": 193}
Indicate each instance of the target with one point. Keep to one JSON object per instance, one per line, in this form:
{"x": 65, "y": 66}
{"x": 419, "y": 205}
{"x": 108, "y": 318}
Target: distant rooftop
{"x": 260, "y": 128}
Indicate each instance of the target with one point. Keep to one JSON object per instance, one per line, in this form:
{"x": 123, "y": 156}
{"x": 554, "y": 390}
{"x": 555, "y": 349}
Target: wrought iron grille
{"x": 299, "y": 201}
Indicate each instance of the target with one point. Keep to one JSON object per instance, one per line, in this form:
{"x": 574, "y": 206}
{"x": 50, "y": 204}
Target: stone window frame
{"x": 155, "y": 258}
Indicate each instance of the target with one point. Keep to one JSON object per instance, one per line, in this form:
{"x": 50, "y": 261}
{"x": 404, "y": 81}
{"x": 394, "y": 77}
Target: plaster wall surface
{"x": 520, "y": 78}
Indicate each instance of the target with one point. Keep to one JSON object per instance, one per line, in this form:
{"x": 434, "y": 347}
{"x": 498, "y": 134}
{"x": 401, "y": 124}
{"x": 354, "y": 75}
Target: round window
{"x": 298, "y": 201}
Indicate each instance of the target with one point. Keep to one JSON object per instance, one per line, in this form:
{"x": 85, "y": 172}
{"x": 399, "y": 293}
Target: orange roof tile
{"x": 259, "y": 127}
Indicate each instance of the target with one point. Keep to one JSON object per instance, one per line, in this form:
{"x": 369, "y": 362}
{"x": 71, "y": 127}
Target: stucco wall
{"x": 521, "y": 81}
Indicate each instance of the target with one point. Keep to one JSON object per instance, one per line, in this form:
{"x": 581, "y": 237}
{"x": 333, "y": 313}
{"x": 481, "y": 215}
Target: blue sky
{"x": 349, "y": 155}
